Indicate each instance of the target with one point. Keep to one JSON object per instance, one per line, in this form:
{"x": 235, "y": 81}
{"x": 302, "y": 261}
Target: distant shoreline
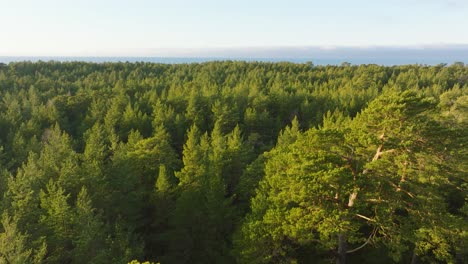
{"x": 385, "y": 61}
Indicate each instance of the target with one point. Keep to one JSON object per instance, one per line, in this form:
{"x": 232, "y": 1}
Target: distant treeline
{"x": 233, "y": 162}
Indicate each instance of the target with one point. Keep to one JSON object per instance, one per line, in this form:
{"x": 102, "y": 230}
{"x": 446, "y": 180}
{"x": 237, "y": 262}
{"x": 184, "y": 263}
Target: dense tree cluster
{"x": 233, "y": 162}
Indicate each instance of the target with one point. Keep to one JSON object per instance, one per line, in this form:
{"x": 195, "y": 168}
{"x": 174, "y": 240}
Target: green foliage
{"x": 225, "y": 162}
{"x": 163, "y": 184}
{"x": 89, "y": 240}
{"x": 56, "y": 221}
{"x": 12, "y": 243}
{"x": 381, "y": 173}
{"x": 138, "y": 262}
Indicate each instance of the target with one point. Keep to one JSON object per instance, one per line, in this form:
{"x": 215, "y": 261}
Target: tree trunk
{"x": 414, "y": 259}
{"x": 342, "y": 247}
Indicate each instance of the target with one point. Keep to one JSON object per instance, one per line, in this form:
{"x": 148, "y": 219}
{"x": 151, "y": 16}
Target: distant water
{"x": 387, "y": 61}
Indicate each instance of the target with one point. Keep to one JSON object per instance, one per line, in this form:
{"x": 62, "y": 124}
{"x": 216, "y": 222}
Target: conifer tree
{"x": 192, "y": 157}
{"x": 13, "y": 247}
{"x": 96, "y": 164}
{"x": 89, "y": 240}
{"x": 332, "y": 186}
{"x": 109, "y": 162}
{"x": 56, "y": 223}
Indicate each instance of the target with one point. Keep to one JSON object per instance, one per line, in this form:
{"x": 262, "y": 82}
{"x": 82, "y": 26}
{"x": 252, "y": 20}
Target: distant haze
{"x": 429, "y": 54}
{"x": 440, "y": 52}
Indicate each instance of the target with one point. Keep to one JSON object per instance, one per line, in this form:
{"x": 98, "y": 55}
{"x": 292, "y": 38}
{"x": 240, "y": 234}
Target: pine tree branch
{"x": 365, "y": 217}
{"x": 369, "y": 239}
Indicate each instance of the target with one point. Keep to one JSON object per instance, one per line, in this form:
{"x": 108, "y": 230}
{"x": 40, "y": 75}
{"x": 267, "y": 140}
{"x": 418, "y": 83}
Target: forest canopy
{"x": 233, "y": 162}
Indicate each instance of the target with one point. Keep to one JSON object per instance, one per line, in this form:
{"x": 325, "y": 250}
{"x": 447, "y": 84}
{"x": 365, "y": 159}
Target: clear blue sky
{"x": 144, "y": 27}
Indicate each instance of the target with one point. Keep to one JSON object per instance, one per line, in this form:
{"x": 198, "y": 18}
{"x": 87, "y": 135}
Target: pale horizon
{"x": 437, "y": 51}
